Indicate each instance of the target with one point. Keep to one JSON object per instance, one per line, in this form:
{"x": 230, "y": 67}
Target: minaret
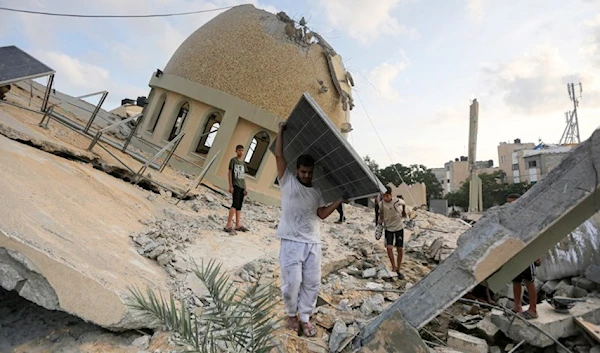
{"x": 475, "y": 191}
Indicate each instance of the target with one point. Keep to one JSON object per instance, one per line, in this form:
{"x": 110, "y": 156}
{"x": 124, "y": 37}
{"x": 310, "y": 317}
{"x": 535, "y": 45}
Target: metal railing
{"x": 173, "y": 143}
{"x": 102, "y": 131}
{"x": 200, "y": 177}
{"x": 49, "y": 111}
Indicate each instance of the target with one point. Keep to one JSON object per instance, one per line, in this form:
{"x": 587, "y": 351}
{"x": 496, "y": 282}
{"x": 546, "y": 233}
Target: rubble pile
{"x": 434, "y": 235}
{"x": 475, "y": 328}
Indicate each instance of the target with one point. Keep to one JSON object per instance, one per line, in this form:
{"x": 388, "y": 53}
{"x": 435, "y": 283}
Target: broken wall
{"x": 572, "y": 255}
{"x": 414, "y": 195}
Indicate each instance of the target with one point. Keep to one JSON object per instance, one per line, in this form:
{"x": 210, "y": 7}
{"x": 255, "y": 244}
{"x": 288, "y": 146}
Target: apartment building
{"x": 528, "y": 163}
{"x": 457, "y": 172}
{"x": 508, "y": 159}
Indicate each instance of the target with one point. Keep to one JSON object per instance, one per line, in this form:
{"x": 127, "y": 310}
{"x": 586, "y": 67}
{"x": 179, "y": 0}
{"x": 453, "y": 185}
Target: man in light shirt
{"x": 390, "y": 215}
{"x": 302, "y": 208}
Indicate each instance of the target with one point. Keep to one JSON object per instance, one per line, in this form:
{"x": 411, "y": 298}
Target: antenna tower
{"x": 571, "y": 133}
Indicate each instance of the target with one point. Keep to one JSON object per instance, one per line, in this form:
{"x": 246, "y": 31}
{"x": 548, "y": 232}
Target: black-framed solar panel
{"x": 339, "y": 168}
{"x": 16, "y": 65}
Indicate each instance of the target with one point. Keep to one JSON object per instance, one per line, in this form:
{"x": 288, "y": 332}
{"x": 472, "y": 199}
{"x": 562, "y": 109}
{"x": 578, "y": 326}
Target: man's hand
{"x": 231, "y": 189}
{"x": 538, "y": 262}
{"x": 245, "y": 192}
{"x": 282, "y": 125}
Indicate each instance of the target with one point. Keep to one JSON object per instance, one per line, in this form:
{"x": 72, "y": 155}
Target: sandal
{"x": 293, "y": 324}
{"x": 229, "y": 230}
{"x": 528, "y": 315}
{"x": 307, "y": 329}
{"x": 242, "y": 229}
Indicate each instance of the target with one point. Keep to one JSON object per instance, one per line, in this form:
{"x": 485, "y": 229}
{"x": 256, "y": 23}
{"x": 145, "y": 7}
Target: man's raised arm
{"x": 281, "y": 164}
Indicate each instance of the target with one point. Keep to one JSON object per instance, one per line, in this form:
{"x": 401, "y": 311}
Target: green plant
{"x": 236, "y": 321}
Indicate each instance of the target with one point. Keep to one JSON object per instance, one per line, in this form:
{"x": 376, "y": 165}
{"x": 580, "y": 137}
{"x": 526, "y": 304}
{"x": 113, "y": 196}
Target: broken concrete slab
{"x": 509, "y": 238}
{"x": 582, "y": 282}
{"x": 487, "y": 330}
{"x": 555, "y": 324}
{"x": 65, "y": 252}
{"x": 466, "y": 343}
{"x": 550, "y": 286}
{"x": 394, "y": 334}
{"x": 593, "y": 273}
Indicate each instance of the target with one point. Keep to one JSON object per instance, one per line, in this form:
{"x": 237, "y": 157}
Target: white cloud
{"x": 365, "y": 20}
{"x": 75, "y": 76}
{"x": 534, "y": 83}
{"x": 476, "y": 9}
{"x": 382, "y": 77}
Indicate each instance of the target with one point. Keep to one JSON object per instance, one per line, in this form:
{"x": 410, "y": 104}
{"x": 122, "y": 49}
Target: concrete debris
{"x": 584, "y": 283}
{"x": 468, "y": 322}
{"x": 501, "y": 243}
{"x": 487, "y": 330}
{"x": 466, "y": 343}
{"x": 550, "y": 286}
{"x": 372, "y": 304}
{"x": 141, "y": 342}
{"x": 338, "y": 335}
{"x": 593, "y": 273}
{"x": 555, "y": 324}
{"x": 370, "y": 272}
{"x": 572, "y": 255}
{"x": 393, "y": 334}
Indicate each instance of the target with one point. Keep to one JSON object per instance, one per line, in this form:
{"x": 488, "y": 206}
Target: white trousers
{"x": 300, "y": 265}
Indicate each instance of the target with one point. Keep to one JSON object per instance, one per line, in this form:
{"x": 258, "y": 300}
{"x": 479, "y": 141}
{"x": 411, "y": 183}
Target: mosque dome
{"x": 266, "y": 60}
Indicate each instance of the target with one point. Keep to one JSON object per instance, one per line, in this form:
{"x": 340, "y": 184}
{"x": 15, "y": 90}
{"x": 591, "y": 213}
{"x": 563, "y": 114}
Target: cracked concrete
{"x": 510, "y": 237}
{"x": 61, "y": 246}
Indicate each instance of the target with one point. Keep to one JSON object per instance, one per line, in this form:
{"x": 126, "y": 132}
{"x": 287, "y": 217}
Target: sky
{"x": 417, "y": 64}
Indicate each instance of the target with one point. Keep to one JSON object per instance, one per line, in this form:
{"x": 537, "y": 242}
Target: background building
{"x": 457, "y": 172}
{"x": 508, "y": 159}
{"x": 231, "y": 82}
{"x": 528, "y": 163}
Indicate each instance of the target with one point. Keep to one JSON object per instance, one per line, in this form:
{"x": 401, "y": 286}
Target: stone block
{"x": 593, "y": 273}
{"x": 555, "y": 324}
{"x": 495, "y": 349}
{"x": 394, "y": 334}
{"x": 506, "y": 303}
{"x": 370, "y": 272}
{"x": 487, "y": 330}
{"x": 466, "y": 343}
{"x": 582, "y": 282}
{"x": 595, "y": 349}
{"x": 564, "y": 291}
{"x": 549, "y": 287}
{"x": 579, "y": 292}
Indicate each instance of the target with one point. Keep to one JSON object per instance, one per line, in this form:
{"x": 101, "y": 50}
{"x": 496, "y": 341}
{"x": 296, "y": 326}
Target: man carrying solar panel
{"x": 302, "y": 207}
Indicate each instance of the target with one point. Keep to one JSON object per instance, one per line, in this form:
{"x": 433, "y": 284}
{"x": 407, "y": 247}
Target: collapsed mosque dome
{"x": 266, "y": 60}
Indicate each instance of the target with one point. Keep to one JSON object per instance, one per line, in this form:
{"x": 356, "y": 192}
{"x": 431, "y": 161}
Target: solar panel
{"x": 16, "y": 65}
{"x": 338, "y": 168}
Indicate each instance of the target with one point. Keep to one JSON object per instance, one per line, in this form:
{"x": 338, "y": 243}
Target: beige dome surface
{"x": 246, "y": 53}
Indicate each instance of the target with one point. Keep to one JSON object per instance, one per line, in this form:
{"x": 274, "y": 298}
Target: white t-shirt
{"x": 299, "y": 204}
{"x": 392, "y": 214}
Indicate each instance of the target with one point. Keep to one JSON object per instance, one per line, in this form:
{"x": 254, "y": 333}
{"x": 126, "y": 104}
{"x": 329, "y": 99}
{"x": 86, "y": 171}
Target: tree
{"x": 494, "y": 191}
{"x": 416, "y": 173}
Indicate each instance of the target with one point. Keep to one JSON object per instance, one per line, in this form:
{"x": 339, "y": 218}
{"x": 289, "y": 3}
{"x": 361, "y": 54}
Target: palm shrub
{"x": 236, "y": 321}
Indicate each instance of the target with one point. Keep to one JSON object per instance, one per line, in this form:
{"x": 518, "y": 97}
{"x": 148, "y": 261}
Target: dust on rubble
{"x": 176, "y": 240}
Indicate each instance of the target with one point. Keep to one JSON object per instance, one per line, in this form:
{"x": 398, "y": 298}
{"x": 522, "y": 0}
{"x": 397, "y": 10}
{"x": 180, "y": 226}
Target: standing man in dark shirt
{"x": 527, "y": 277}
{"x": 237, "y": 187}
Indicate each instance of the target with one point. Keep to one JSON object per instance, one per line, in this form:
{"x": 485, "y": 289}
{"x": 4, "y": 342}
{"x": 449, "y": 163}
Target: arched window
{"x": 208, "y": 134}
{"x": 178, "y": 125}
{"x": 256, "y": 152}
{"x": 157, "y": 112}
